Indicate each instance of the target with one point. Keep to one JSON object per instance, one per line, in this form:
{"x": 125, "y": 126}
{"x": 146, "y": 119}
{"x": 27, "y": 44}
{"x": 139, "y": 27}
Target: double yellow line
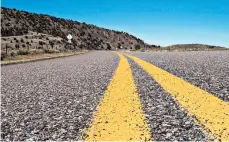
{"x": 120, "y": 116}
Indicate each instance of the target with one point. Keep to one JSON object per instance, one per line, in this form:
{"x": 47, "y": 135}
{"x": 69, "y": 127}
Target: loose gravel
{"x": 53, "y": 99}
{"x": 166, "y": 119}
{"x": 208, "y": 70}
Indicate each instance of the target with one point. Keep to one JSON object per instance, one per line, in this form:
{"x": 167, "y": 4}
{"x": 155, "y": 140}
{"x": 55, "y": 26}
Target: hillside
{"x": 85, "y": 36}
{"x": 193, "y": 47}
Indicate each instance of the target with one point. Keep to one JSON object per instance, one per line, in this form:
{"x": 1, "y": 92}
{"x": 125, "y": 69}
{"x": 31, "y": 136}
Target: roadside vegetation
{"x": 21, "y": 56}
{"x": 35, "y": 46}
{"x": 85, "y": 36}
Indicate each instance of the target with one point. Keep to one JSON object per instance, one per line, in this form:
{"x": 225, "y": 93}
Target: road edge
{"x": 41, "y": 59}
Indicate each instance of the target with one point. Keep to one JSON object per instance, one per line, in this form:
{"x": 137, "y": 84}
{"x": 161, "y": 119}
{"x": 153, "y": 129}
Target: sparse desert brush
{"x": 137, "y": 47}
{"x": 22, "y": 40}
{"x": 13, "y": 53}
{"x": 22, "y": 52}
{"x": 3, "y": 55}
{"x": 17, "y": 46}
{"x": 51, "y": 51}
{"x": 36, "y": 51}
{"x": 41, "y": 43}
{"x": 108, "y": 46}
{"x": 63, "y": 50}
{"x": 82, "y": 33}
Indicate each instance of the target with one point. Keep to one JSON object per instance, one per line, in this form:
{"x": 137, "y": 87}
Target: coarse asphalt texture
{"x": 208, "y": 70}
{"x": 166, "y": 119}
{"x": 55, "y": 99}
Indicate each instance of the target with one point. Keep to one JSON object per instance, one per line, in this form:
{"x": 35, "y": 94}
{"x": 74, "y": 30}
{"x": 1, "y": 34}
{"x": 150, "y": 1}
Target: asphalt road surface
{"x": 103, "y": 95}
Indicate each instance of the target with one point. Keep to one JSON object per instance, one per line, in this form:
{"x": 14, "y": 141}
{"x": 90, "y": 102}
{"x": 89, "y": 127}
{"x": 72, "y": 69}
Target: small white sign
{"x": 69, "y": 38}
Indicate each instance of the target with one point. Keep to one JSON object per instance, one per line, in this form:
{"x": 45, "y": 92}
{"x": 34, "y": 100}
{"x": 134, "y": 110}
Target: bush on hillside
{"x": 108, "y": 46}
{"x": 22, "y": 52}
{"x": 3, "y": 55}
{"x": 13, "y": 53}
{"x": 137, "y": 47}
{"x": 51, "y": 51}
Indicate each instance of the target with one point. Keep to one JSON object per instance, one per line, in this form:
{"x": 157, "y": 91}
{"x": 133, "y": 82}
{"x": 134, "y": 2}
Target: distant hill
{"x": 85, "y": 36}
{"x": 193, "y": 47}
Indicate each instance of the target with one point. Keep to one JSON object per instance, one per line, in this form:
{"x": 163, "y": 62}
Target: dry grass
{"x": 39, "y": 57}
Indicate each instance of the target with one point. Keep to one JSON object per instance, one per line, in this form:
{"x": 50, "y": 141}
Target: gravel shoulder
{"x": 208, "y": 70}
{"x": 53, "y": 99}
{"x": 39, "y": 57}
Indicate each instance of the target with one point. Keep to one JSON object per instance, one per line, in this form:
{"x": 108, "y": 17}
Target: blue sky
{"x": 162, "y": 22}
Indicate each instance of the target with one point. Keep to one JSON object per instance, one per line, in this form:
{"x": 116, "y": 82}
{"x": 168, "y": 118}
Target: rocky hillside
{"x": 85, "y": 36}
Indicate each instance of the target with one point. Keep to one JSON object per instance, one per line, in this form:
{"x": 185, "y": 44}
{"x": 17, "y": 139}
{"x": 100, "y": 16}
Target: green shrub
{"x": 13, "y": 53}
{"x": 22, "y": 52}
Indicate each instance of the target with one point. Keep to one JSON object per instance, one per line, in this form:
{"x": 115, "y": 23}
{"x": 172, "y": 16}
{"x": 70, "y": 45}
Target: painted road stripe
{"x": 119, "y": 115}
{"x": 212, "y": 112}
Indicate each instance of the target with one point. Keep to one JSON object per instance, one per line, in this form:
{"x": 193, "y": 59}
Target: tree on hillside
{"x": 17, "y": 46}
{"x": 51, "y": 43}
{"x": 119, "y": 45}
{"x": 108, "y": 46}
{"x": 41, "y": 43}
{"x": 22, "y": 40}
{"x": 137, "y": 47}
{"x": 211, "y": 46}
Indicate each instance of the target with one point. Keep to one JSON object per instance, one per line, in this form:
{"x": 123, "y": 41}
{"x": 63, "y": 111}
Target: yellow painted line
{"x": 119, "y": 115}
{"x": 212, "y": 112}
